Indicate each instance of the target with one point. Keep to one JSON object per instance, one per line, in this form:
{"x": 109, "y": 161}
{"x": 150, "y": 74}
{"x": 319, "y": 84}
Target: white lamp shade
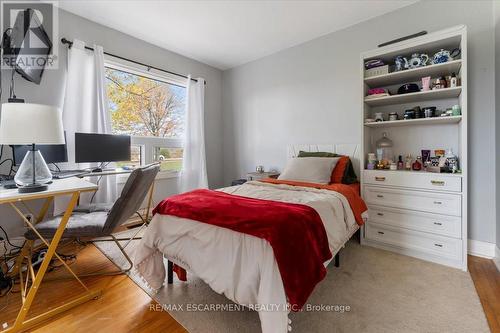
{"x": 25, "y": 124}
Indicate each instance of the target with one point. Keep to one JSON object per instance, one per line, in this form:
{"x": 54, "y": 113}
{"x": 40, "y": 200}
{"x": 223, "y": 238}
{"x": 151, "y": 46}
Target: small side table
{"x": 261, "y": 175}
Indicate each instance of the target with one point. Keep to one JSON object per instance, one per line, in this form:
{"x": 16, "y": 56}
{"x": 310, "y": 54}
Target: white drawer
{"x": 414, "y": 179}
{"x": 438, "y": 224}
{"x": 440, "y": 203}
{"x": 419, "y": 241}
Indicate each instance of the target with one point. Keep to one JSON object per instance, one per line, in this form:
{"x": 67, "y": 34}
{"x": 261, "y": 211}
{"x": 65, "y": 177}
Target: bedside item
{"x": 456, "y": 111}
{"x": 384, "y": 150}
{"x": 408, "y": 162}
{"x": 401, "y": 164}
{"x": 444, "y": 56}
{"x": 439, "y": 83}
{"x": 374, "y": 63}
{"x": 379, "y": 116}
{"x": 31, "y": 124}
{"x": 393, "y": 116}
{"x": 418, "y": 112}
{"x": 451, "y": 161}
{"x": 429, "y": 111}
{"x": 454, "y": 81}
{"x": 376, "y": 71}
{"x": 401, "y": 63}
{"x": 426, "y": 156}
{"x": 418, "y": 60}
{"x": 372, "y": 161}
{"x": 409, "y": 114}
{"x": 376, "y": 91}
{"x": 426, "y": 83}
{"x": 261, "y": 175}
{"x": 377, "y": 95}
{"x": 408, "y": 88}
{"x": 417, "y": 165}
{"x": 259, "y": 169}
{"x": 439, "y": 152}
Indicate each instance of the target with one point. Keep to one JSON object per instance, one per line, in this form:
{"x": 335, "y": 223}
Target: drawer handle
{"x": 380, "y": 196}
{"x": 380, "y": 179}
{"x": 437, "y": 182}
{"x": 438, "y": 202}
{"x": 380, "y": 214}
{"x": 381, "y": 232}
{"x": 438, "y": 245}
{"x": 438, "y": 223}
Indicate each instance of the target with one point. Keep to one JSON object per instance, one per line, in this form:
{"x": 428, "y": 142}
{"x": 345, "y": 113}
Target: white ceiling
{"x": 226, "y": 34}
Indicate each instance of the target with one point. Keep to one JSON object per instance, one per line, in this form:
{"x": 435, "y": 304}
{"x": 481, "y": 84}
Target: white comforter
{"x": 240, "y": 266}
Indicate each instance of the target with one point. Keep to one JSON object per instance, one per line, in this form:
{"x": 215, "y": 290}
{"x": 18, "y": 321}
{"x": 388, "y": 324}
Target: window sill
{"x": 122, "y": 179}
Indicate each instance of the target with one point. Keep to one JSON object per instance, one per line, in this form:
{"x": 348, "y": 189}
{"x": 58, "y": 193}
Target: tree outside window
{"x": 144, "y": 107}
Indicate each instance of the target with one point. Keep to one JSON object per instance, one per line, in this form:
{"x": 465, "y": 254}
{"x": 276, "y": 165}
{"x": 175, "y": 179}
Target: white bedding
{"x": 240, "y": 266}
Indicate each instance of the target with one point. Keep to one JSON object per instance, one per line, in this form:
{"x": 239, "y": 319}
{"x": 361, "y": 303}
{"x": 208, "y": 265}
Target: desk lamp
{"x": 31, "y": 124}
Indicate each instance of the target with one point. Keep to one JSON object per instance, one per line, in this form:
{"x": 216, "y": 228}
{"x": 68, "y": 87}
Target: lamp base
{"x": 32, "y": 188}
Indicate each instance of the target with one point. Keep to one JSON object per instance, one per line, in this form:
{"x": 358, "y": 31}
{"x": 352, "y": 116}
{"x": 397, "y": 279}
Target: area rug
{"x": 372, "y": 291}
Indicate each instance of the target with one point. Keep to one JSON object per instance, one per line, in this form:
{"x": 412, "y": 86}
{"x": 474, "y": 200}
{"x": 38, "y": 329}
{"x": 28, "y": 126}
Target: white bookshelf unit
{"x": 417, "y": 213}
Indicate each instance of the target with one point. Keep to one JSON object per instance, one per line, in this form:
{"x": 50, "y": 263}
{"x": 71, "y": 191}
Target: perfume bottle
{"x": 401, "y": 164}
{"x": 408, "y": 162}
{"x": 417, "y": 165}
{"x": 453, "y": 80}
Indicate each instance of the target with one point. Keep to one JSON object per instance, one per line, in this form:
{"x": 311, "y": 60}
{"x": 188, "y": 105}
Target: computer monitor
{"x": 90, "y": 147}
{"x": 50, "y": 153}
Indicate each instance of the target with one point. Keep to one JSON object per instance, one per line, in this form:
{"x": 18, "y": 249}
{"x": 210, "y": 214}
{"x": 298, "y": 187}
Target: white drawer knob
{"x": 380, "y": 196}
{"x": 380, "y": 179}
{"x": 437, "y": 182}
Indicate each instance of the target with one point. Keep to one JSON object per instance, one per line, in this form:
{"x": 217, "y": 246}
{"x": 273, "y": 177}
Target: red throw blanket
{"x": 295, "y": 232}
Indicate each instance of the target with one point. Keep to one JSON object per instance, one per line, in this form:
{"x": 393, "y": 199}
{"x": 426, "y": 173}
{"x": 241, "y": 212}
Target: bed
{"x": 241, "y": 266}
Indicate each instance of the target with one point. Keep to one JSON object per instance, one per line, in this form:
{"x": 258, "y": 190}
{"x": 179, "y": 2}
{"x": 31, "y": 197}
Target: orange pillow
{"x": 339, "y": 170}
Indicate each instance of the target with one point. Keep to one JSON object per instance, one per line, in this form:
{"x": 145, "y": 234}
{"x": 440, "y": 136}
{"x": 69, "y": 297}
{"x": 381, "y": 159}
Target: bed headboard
{"x": 351, "y": 149}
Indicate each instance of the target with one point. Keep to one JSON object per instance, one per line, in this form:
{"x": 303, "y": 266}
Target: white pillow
{"x": 309, "y": 169}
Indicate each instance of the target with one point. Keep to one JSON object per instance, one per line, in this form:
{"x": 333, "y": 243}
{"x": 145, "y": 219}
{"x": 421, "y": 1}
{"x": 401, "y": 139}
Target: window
{"x": 170, "y": 158}
{"x": 151, "y": 109}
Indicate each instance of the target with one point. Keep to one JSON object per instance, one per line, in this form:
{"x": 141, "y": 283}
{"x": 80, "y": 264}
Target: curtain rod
{"x": 70, "y": 43}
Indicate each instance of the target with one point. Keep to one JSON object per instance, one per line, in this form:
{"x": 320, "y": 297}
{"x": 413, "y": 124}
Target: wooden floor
{"x": 124, "y": 307}
{"x": 486, "y": 278}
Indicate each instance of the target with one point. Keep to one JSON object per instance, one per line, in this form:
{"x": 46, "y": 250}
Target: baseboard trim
{"x": 481, "y": 249}
{"x": 497, "y": 257}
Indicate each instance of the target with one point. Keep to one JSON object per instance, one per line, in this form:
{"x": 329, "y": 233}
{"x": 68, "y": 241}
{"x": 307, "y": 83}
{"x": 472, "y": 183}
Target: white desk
{"x": 105, "y": 173}
{"x": 69, "y": 186}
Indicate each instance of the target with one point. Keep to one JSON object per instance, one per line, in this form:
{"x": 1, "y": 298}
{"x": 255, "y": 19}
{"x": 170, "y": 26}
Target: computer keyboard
{"x": 67, "y": 173}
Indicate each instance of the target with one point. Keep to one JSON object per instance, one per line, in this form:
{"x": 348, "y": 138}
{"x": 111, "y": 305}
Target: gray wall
{"x": 310, "y": 94}
{"x": 51, "y": 91}
{"x": 497, "y": 115}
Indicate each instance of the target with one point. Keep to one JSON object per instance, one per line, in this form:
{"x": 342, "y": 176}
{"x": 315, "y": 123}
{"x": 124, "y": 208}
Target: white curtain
{"x": 194, "y": 170}
{"x": 85, "y": 108}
